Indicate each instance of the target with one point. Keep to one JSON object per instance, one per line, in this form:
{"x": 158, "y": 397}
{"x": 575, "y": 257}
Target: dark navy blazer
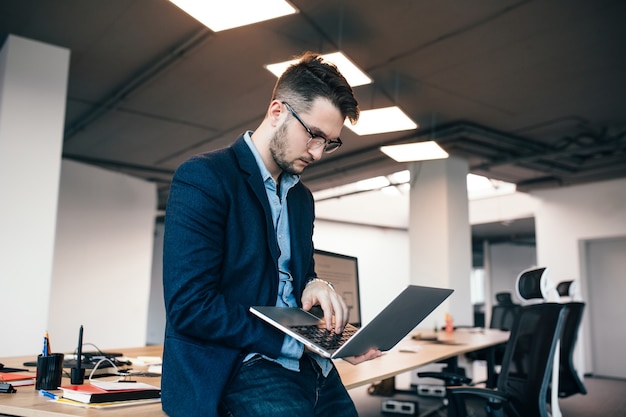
{"x": 220, "y": 257}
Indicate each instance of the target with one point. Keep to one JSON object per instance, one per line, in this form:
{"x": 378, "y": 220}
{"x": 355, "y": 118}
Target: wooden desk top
{"x": 28, "y": 403}
{"x": 408, "y": 355}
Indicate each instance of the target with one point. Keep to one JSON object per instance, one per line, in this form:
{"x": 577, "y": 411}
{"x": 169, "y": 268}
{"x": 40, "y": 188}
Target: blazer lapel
{"x": 252, "y": 175}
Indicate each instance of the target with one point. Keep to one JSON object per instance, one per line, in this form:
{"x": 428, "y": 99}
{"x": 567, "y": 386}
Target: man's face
{"x": 289, "y": 144}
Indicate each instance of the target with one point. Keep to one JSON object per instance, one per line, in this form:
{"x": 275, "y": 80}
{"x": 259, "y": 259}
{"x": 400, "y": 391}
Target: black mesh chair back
{"x": 564, "y": 288}
{"x": 503, "y": 316}
{"x": 529, "y": 284}
{"x": 504, "y": 312}
{"x": 526, "y": 369}
{"x": 504, "y": 298}
{"x": 569, "y": 381}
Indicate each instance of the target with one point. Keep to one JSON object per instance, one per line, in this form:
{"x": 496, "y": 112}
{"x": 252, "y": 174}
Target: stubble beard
{"x": 278, "y": 150}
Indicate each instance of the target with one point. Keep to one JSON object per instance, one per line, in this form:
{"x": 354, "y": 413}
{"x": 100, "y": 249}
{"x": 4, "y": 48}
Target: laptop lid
{"x": 389, "y": 326}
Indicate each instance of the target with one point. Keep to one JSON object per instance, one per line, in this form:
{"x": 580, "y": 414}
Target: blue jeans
{"x": 263, "y": 388}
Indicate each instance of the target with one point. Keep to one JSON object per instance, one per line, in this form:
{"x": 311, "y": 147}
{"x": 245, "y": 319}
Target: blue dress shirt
{"x": 292, "y": 350}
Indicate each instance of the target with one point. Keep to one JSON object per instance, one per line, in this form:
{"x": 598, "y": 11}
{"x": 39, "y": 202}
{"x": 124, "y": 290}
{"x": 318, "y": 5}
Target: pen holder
{"x": 49, "y": 371}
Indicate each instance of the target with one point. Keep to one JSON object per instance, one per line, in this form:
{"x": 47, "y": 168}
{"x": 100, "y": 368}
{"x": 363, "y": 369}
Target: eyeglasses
{"x": 316, "y": 141}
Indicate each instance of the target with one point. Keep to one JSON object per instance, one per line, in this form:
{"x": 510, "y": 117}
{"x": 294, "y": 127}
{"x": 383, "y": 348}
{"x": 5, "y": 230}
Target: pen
{"x": 79, "y": 348}
{"x": 48, "y": 394}
{"x": 48, "y": 343}
{"x": 44, "y": 351}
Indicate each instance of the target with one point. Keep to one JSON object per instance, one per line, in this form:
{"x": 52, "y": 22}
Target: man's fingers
{"x": 333, "y": 305}
{"x": 369, "y": 355}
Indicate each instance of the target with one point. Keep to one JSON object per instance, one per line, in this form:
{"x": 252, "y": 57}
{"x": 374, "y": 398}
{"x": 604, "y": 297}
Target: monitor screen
{"x": 343, "y": 272}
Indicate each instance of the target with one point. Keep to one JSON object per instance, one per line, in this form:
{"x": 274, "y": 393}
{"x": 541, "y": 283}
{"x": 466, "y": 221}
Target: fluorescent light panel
{"x": 418, "y": 151}
{"x": 222, "y": 15}
{"x": 383, "y": 120}
{"x": 372, "y": 183}
{"x": 477, "y": 186}
{"x": 353, "y": 74}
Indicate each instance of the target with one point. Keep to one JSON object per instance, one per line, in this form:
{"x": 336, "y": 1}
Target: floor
{"x": 605, "y": 397}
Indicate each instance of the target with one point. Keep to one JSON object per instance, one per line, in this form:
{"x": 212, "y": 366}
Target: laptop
{"x": 390, "y": 326}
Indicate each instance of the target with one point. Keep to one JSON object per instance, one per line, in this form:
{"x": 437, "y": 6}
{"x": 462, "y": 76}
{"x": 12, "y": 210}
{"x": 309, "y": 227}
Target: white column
{"x": 440, "y": 236}
{"x": 33, "y": 85}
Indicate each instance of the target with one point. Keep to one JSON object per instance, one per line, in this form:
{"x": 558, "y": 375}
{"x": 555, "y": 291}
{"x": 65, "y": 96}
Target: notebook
{"x": 392, "y": 324}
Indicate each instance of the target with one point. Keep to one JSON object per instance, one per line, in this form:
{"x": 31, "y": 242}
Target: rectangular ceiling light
{"x": 222, "y": 15}
{"x": 418, "y": 151}
{"x": 383, "y": 120}
{"x": 353, "y": 74}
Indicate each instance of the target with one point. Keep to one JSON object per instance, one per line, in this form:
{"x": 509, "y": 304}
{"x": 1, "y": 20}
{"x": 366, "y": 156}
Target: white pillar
{"x": 440, "y": 236}
{"x": 33, "y": 85}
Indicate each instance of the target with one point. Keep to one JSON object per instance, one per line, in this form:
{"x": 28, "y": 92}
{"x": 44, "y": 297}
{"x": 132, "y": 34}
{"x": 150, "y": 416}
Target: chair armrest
{"x": 489, "y": 394}
{"x": 449, "y": 378}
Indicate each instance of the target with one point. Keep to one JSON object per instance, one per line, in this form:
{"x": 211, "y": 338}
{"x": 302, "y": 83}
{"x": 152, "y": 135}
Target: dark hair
{"x": 312, "y": 77}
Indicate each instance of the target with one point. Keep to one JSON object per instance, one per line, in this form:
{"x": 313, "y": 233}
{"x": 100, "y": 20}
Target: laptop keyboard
{"x": 327, "y": 339}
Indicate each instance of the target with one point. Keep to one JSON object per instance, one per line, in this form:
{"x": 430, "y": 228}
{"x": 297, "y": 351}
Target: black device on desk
{"x": 4, "y": 369}
{"x": 89, "y": 361}
{"x": 6, "y": 388}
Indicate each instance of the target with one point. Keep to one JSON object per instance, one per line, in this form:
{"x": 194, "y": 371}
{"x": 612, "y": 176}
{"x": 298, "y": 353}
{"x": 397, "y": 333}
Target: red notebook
{"x": 17, "y": 379}
{"x": 91, "y": 394}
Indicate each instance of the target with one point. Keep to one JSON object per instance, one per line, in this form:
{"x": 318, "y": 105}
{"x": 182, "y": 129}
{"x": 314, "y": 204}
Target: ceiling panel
{"x": 528, "y": 91}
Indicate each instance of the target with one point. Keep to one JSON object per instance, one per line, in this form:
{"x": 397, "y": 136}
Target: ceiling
{"x": 529, "y": 92}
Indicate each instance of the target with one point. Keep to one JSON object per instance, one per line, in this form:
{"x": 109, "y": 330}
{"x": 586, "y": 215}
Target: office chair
{"x": 527, "y": 365}
{"x": 569, "y": 379}
{"x": 568, "y": 291}
{"x": 503, "y": 313}
{"x": 502, "y": 317}
{"x": 534, "y": 286}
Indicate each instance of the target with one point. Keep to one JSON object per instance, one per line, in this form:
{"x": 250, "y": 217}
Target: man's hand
{"x": 369, "y": 355}
{"x": 318, "y": 292}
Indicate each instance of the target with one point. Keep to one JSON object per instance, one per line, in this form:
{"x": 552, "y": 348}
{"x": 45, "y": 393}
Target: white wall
{"x": 507, "y": 260}
{"x": 156, "y": 307}
{"x": 33, "y": 83}
{"x": 102, "y": 264}
{"x": 565, "y": 220}
{"x": 382, "y": 256}
{"x": 103, "y": 258}
{"x": 567, "y": 216}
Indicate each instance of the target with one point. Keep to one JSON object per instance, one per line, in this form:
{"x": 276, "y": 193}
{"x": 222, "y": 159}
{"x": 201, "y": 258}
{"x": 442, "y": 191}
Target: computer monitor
{"x": 343, "y": 272}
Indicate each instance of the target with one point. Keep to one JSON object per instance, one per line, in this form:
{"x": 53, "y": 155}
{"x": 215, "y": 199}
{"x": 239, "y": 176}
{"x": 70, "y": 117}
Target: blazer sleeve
{"x": 215, "y": 258}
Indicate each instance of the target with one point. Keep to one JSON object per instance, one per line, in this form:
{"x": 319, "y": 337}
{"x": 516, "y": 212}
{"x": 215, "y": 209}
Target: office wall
{"x": 156, "y": 306}
{"x": 567, "y": 216}
{"x": 506, "y": 261}
{"x": 566, "y": 219}
{"x": 382, "y": 254}
{"x": 102, "y": 259}
{"x": 33, "y": 83}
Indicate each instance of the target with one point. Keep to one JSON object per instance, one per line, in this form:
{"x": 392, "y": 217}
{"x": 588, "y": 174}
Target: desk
{"x": 412, "y": 354}
{"x": 28, "y": 403}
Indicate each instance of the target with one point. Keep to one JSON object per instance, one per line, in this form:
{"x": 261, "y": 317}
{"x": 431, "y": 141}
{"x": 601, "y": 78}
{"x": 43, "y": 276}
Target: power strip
{"x": 407, "y": 408}
{"x": 431, "y": 390}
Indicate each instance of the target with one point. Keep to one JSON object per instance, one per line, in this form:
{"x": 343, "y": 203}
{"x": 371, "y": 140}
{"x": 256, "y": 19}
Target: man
{"x": 238, "y": 232}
